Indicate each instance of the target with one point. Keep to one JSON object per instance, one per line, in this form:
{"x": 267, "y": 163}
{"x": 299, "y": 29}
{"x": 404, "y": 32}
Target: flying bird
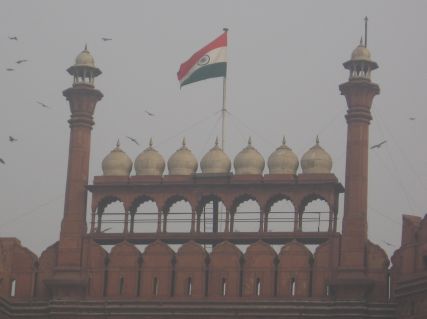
{"x": 13, "y": 38}
{"x": 378, "y": 145}
{"x": 2, "y": 161}
{"x": 133, "y": 140}
{"x": 21, "y": 61}
{"x": 12, "y": 139}
{"x": 105, "y": 230}
{"x": 106, "y": 39}
{"x": 10, "y": 69}
{"x": 42, "y": 104}
{"x": 149, "y": 113}
{"x": 412, "y": 118}
{"x": 387, "y": 243}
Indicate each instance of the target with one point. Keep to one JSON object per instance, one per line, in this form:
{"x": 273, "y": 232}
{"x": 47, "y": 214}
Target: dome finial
{"x": 85, "y": 46}
{"x": 216, "y": 142}
{"x": 184, "y": 142}
{"x": 317, "y": 139}
{"x": 250, "y": 141}
{"x": 118, "y": 143}
{"x": 284, "y": 140}
{"x": 151, "y": 142}
{"x": 361, "y": 41}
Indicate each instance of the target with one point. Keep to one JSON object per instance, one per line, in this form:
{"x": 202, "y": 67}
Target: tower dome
{"x": 215, "y": 161}
{"x": 149, "y": 162}
{"x": 117, "y": 163}
{"x": 361, "y": 53}
{"x": 283, "y": 160}
{"x": 85, "y": 58}
{"x": 182, "y": 162}
{"x": 316, "y": 160}
{"x": 84, "y": 69}
{"x": 360, "y": 65}
{"x": 249, "y": 161}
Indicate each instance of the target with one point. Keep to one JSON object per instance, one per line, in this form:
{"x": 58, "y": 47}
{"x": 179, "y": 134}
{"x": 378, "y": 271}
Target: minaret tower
{"x": 82, "y": 97}
{"x": 359, "y": 92}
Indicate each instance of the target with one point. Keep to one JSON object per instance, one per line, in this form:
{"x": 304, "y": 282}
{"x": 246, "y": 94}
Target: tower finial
{"x": 250, "y": 141}
{"x": 216, "y": 142}
{"x": 184, "y": 142}
{"x": 317, "y": 139}
{"x": 366, "y": 31}
{"x": 118, "y": 142}
{"x": 85, "y": 46}
{"x": 284, "y": 140}
{"x": 151, "y": 142}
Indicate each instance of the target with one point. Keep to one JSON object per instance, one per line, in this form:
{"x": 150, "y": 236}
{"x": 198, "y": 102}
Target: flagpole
{"x": 224, "y": 110}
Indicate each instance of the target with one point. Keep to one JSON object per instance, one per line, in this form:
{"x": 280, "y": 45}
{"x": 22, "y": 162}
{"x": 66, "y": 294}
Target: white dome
{"x": 149, "y": 162}
{"x": 249, "y": 161}
{"x": 117, "y": 163}
{"x": 283, "y": 160}
{"x": 215, "y": 161}
{"x": 361, "y": 53}
{"x": 182, "y": 162}
{"x": 316, "y": 160}
{"x": 85, "y": 58}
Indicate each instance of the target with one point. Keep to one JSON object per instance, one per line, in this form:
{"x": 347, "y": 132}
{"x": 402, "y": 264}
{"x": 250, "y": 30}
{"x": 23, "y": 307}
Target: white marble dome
{"x": 85, "y": 59}
{"x": 283, "y": 160}
{"x": 361, "y": 53}
{"x": 117, "y": 163}
{"x": 182, "y": 162}
{"x": 215, "y": 161}
{"x": 249, "y": 161}
{"x": 149, "y": 162}
{"x": 316, "y": 160}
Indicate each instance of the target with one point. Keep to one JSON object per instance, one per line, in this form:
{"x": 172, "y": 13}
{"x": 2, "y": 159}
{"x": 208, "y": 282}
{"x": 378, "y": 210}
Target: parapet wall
{"x": 158, "y": 273}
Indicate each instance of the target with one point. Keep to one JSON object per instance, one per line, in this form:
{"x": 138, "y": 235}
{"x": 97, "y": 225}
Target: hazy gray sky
{"x": 285, "y": 65}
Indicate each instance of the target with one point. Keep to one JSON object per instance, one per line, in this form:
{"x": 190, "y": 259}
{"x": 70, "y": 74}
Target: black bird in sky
{"x": 2, "y": 161}
{"x": 387, "y": 243}
{"x": 133, "y": 140}
{"x": 10, "y": 69}
{"x": 378, "y": 145}
{"x": 21, "y": 61}
{"x": 106, "y": 39}
{"x": 149, "y": 113}
{"x": 12, "y": 139}
{"x": 42, "y": 104}
{"x": 13, "y": 38}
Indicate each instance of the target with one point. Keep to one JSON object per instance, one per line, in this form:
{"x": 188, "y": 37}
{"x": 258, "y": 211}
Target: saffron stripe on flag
{"x": 221, "y": 41}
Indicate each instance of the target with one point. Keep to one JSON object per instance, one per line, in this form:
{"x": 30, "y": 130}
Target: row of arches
{"x": 191, "y": 272}
{"x": 212, "y": 215}
{"x": 160, "y": 273}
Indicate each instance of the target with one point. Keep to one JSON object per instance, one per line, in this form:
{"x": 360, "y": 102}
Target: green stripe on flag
{"x": 209, "y": 71}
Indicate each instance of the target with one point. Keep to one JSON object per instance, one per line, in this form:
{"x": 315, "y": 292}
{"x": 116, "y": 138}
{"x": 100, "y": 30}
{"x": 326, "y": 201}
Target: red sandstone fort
{"x": 209, "y": 276}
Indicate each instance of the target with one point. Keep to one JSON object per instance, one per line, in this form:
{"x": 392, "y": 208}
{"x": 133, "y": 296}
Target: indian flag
{"x": 208, "y": 62}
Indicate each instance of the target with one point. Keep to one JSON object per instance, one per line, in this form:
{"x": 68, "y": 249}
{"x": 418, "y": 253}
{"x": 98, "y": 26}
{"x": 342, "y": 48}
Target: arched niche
{"x": 123, "y": 271}
{"x": 294, "y": 271}
{"x": 157, "y": 271}
{"x": 110, "y": 215}
{"x": 324, "y": 265}
{"x": 245, "y": 214}
{"x": 377, "y": 271}
{"x": 211, "y": 214}
{"x": 316, "y": 214}
{"x": 96, "y": 263}
{"x": 190, "y": 270}
{"x": 259, "y": 269}
{"x": 144, "y": 215}
{"x": 280, "y": 214}
{"x": 224, "y": 271}
{"x": 177, "y": 215}
{"x": 47, "y": 264}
